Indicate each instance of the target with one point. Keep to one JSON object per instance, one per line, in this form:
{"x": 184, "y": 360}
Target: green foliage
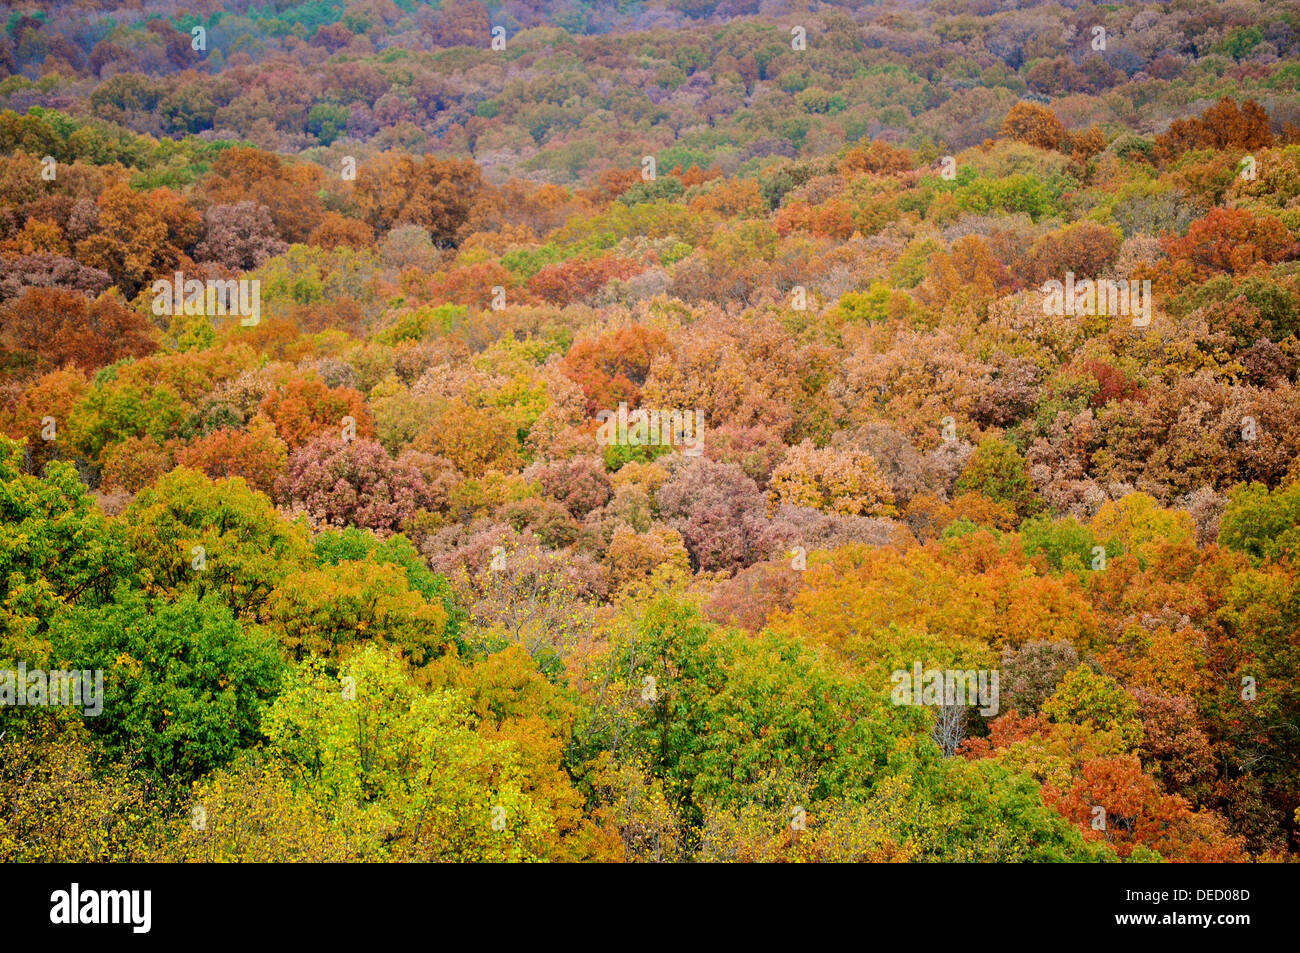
{"x": 1066, "y": 544}
{"x": 1263, "y": 523}
{"x": 372, "y": 737}
{"x": 950, "y": 810}
{"x": 998, "y": 471}
{"x": 666, "y": 188}
{"x": 56, "y": 550}
{"x": 1095, "y": 701}
{"x": 419, "y": 323}
{"x": 183, "y": 681}
{"x": 868, "y": 306}
{"x": 616, "y": 455}
{"x": 1025, "y": 194}
{"x": 193, "y": 534}
{"x": 337, "y": 547}
{"x": 733, "y": 721}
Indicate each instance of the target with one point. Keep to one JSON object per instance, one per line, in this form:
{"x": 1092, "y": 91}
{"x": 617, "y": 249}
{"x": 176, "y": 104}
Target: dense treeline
{"x": 582, "y": 87}
{"x": 366, "y": 581}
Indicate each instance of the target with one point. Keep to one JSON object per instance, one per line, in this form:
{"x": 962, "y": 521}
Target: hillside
{"x": 592, "y": 448}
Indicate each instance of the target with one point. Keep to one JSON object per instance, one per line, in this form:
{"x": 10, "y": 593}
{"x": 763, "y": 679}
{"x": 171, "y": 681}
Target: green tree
{"x": 998, "y": 471}
{"x": 190, "y": 533}
{"x": 183, "y": 680}
{"x": 56, "y": 549}
{"x": 1262, "y": 523}
{"x": 372, "y": 737}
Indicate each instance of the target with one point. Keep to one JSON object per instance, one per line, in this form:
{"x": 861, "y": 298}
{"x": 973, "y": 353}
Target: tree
{"x": 411, "y": 755}
{"x": 183, "y": 681}
{"x": 638, "y": 558}
{"x": 304, "y": 408}
{"x": 256, "y": 454}
{"x": 1034, "y": 124}
{"x": 1232, "y": 240}
{"x": 133, "y": 464}
{"x": 1138, "y": 815}
{"x": 578, "y": 483}
{"x": 56, "y": 549}
{"x": 288, "y": 191}
{"x": 254, "y": 813}
{"x": 323, "y": 613}
{"x": 830, "y": 479}
{"x": 1263, "y": 523}
{"x": 353, "y": 483}
{"x": 61, "y": 803}
{"x": 1096, "y": 702}
{"x": 54, "y": 328}
{"x": 140, "y": 235}
{"x": 52, "y": 395}
{"x": 438, "y": 194}
{"x": 733, "y": 720}
{"x": 193, "y": 534}
{"x": 239, "y": 236}
{"x": 579, "y": 279}
{"x": 1224, "y": 126}
{"x": 475, "y": 439}
{"x": 998, "y": 471}
{"x": 611, "y": 368}
{"x": 339, "y": 231}
{"x": 718, "y": 511}
{"x": 337, "y": 547}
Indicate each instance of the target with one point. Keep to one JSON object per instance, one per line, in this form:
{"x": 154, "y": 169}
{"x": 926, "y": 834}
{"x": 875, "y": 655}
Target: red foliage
{"x": 1232, "y": 240}
{"x": 54, "y": 328}
{"x": 612, "y": 367}
{"x": 578, "y": 279}
{"x": 1113, "y": 383}
{"x": 305, "y": 407}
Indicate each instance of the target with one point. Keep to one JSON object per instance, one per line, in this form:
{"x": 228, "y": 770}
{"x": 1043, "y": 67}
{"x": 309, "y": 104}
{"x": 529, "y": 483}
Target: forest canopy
{"x": 634, "y": 392}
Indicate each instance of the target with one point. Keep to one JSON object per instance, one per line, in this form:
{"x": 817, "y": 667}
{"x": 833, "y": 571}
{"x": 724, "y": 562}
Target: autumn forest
{"x": 603, "y": 431}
